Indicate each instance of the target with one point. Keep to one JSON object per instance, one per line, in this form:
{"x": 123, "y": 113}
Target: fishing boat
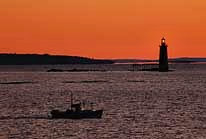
{"x": 76, "y": 112}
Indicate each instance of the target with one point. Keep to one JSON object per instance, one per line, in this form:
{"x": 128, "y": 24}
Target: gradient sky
{"x": 103, "y": 28}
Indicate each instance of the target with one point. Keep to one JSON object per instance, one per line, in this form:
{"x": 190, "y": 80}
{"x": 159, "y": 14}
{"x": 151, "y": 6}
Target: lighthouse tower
{"x": 163, "y": 59}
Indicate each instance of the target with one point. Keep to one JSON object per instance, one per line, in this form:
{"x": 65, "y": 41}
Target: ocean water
{"x": 137, "y": 105}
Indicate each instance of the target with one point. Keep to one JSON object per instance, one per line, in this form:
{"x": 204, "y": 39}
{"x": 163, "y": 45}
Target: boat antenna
{"x": 71, "y": 100}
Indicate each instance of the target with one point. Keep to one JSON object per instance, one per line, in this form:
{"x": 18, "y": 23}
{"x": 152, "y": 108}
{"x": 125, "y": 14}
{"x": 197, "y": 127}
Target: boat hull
{"x": 85, "y": 114}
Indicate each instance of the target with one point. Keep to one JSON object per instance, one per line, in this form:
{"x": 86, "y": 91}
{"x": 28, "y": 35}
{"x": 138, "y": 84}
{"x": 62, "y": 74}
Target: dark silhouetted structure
{"x": 163, "y": 59}
{"x": 76, "y": 112}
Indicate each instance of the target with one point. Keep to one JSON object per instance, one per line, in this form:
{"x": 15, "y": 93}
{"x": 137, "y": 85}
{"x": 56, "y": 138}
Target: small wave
{"x": 136, "y": 81}
{"x": 96, "y": 81}
{"x": 24, "y": 117}
{"x": 20, "y": 82}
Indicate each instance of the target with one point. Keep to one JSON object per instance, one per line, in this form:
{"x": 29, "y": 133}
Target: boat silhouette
{"x": 76, "y": 112}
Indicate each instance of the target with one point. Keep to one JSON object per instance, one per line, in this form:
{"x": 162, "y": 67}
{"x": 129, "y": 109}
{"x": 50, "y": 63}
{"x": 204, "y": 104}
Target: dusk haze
{"x": 102, "y": 69}
{"x": 103, "y": 29}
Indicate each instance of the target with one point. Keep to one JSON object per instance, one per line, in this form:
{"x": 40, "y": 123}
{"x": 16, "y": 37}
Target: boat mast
{"x": 71, "y": 100}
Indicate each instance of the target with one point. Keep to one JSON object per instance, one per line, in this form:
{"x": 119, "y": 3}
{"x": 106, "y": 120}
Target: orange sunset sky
{"x": 103, "y": 28}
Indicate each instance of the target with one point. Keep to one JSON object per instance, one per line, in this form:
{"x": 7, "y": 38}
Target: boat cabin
{"x": 76, "y": 107}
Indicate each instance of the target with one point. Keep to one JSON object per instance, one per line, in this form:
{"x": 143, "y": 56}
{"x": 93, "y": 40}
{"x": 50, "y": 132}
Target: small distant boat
{"x": 76, "y": 112}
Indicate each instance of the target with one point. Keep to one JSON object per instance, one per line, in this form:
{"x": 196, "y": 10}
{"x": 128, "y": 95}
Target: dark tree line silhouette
{"x": 37, "y": 59}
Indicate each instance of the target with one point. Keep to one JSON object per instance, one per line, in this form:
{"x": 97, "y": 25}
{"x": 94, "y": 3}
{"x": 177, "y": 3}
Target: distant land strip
{"x": 171, "y": 60}
{"x": 75, "y": 70}
{"x": 46, "y": 59}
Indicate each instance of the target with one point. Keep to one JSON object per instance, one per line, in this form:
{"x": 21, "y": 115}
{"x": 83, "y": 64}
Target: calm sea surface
{"x": 137, "y": 105}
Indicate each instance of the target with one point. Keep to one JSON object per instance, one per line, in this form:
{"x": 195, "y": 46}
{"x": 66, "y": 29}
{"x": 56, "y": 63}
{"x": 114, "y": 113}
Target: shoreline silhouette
{"x": 47, "y": 59}
{"x": 38, "y": 59}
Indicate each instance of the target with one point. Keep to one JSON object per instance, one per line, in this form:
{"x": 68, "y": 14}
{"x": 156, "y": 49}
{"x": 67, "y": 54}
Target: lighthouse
{"x": 163, "y": 57}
